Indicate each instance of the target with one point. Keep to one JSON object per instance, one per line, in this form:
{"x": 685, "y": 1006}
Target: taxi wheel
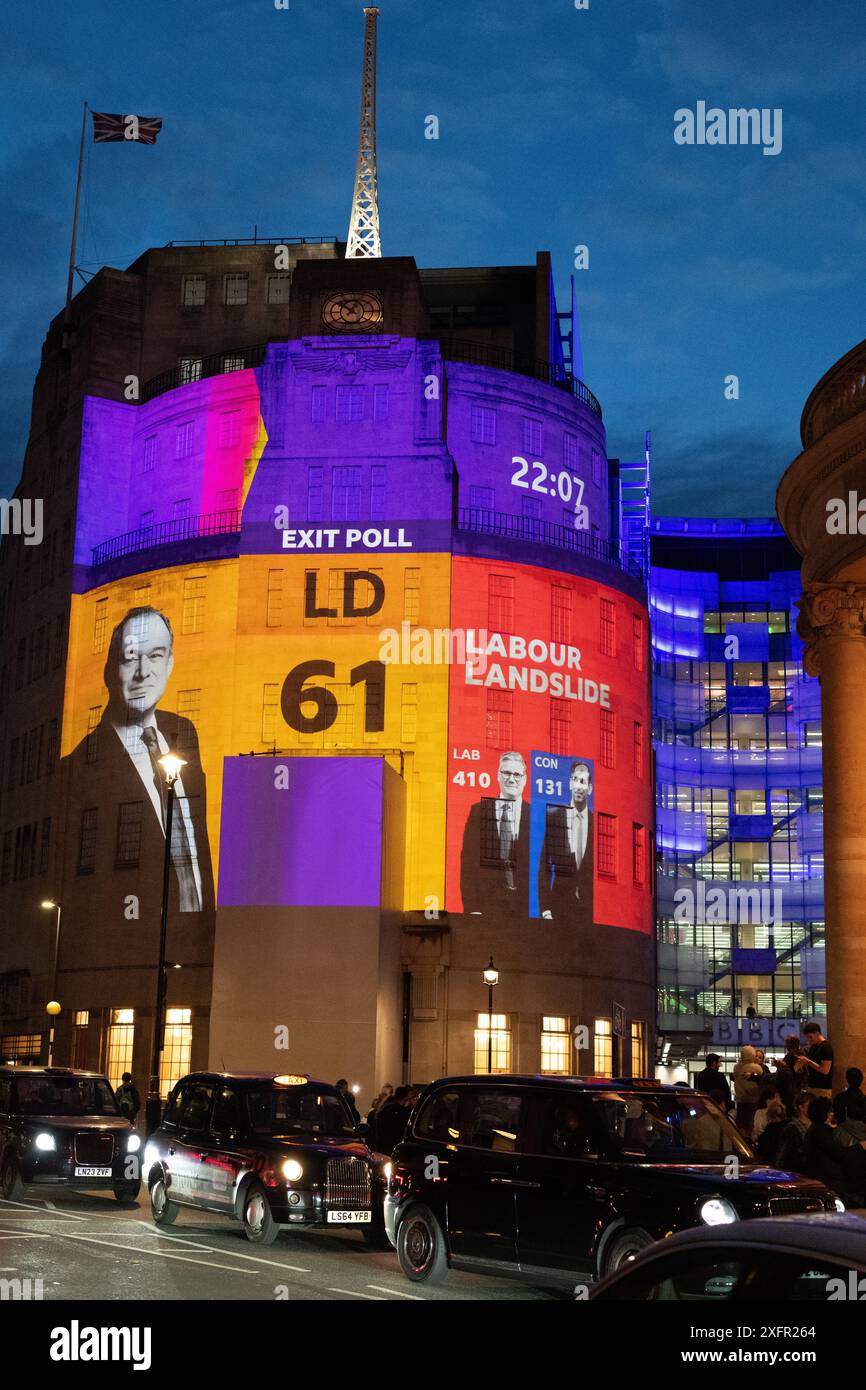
{"x": 11, "y": 1186}
{"x": 162, "y": 1209}
{"x": 259, "y": 1225}
{"x": 421, "y": 1246}
{"x": 127, "y": 1191}
{"x": 624, "y": 1247}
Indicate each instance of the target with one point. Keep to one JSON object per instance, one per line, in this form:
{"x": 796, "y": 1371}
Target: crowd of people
{"x": 388, "y": 1116}
{"x": 788, "y": 1111}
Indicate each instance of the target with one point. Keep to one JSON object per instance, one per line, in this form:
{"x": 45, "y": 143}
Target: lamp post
{"x": 490, "y": 977}
{"x": 52, "y": 1008}
{"x": 171, "y": 765}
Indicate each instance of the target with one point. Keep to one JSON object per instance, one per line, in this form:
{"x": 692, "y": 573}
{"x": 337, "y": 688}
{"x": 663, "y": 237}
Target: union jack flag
{"x": 107, "y": 127}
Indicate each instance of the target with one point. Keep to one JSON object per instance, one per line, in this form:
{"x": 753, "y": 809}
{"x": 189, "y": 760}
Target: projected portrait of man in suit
{"x": 494, "y": 862}
{"x": 117, "y": 764}
{"x": 565, "y": 872}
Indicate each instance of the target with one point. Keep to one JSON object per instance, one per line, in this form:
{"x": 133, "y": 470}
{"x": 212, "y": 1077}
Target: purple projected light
{"x": 314, "y": 843}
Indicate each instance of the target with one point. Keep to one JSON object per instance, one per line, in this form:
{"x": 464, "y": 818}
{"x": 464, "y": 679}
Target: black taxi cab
{"x": 64, "y": 1128}
{"x": 272, "y": 1152}
{"x": 564, "y": 1178}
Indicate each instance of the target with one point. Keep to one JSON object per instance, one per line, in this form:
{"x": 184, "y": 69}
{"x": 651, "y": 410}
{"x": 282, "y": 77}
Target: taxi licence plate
{"x": 349, "y": 1218}
{"x": 90, "y": 1172}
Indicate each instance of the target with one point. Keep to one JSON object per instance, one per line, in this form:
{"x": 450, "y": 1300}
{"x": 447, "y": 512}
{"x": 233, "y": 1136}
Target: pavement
{"x": 87, "y": 1246}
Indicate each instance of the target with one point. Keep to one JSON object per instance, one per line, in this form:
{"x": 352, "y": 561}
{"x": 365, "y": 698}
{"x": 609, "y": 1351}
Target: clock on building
{"x": 349, "y": 312}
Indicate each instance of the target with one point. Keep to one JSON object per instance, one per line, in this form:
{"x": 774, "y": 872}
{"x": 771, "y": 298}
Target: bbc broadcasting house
{"x": 250, "y": 475}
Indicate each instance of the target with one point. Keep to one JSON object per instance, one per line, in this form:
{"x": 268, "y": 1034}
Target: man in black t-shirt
{"x": 819, "y": 1061}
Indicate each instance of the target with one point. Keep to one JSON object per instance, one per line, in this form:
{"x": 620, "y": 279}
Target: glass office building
{"x": 739, "y": 830}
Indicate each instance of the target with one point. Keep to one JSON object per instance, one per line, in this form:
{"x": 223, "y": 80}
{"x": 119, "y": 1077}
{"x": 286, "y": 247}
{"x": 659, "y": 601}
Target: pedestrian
{"x": 343, "y": 1088}
{"x": 774, "y": 1126}
{"x": 821, "y": 1153}
{"x": 391, "y": 1121}
{"x": 790, "y": 1154}
{"x": 850, "y": 1137}
{"x": 713, "y": 1083}
{"x": 128, "y": 1098}
{"x": 819, "y": 1060}
{"x": 790, "y": 1073}
{"x": 747, "y": 1075}
{"x": 384, "y": 1095}
{"x": 853, "y": 1092}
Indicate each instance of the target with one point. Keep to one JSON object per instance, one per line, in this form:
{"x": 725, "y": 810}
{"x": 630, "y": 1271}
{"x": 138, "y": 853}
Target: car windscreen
{"x": 65, "y": 1096}
{"x": 666, "y": 1128}
{"x": 298, "y": 1111}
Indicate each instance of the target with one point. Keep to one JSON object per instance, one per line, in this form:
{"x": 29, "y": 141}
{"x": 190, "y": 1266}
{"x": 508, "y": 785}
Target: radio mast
{"x": 363, "y": 237}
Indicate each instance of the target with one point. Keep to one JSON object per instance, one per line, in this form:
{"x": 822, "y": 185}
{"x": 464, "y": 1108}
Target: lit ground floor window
{"x": 121, "y": 1035}
{"x": 555, "y": 1045}
{"x": 492, "y": 1042}
{"x": 603, "y": 1048}
{"x": 177, "y": 1048}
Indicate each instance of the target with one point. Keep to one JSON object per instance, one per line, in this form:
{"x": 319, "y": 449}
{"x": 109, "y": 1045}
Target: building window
{"x": 80, "y": 1025}
{"x": 607, "y": 857}
{"x": 409, "y": 713}
{"x": 481, "y": 498}
{"x": 274, "y": 606}
{"x": 12, "y": 769}
{"x": 608, "y": 738}
{"x": 237, "y": 288}
{"x": 637, "y": 642}
{"x": 377, "y": 491}
{"x": 318, "y": 405}
{"x": 596, "y": 467}
{"x": 555, "y": 1046}
{"x": 483, "y": 425}
{"x": 315, "y": 493}
{"x": 20, "y": 1047}
{"x": 638, "y": 1047}
{"x": 500, "y": 720}
{"x": 533, "y": 437}
{"x": 188, "y": 710}
{"x": 189, "y": 369}
{"x": 81, "y": 1018}
{"x": 100, "y": 622}
{"x": 177, "y": 1048}
{"x": 6, "y": 862}
{"x": 278, "y": 286}
{"x": 561, "y": 606}
{"x": 607, "y": 635}
{"x": 145, "y": 520}
{"x": 183, "y": 439}
{"x": 230, "y": 429}
{"x": 181, "y": 509}
{"x": 45, "y": 845}
{"x": 350, "y": 404}
{"x": 637, "y": 749}
{"x": 560, "y": 726}
{"x": 121, "y": 1034}
{"x": 638, "y": 855}
{"x": 91, "y": 745}
{"x": 151, "y": 453}
{"x": 129, "y": 817}
{"x": 234, "y": 362}
{"x": 381, "y": 404}
{"x": 227, "y": 501}
{"x": 194, "y": 291}
{"x": 411, "y": 594}
{"x": 492, "y": 1028}
{"x": 87, "y": 840}
{"x": 270, "y": 705}
{"x": 571, "y": 452}
{"x": 192, "y": 616}
{"x": 603, "y": 1048}
{"x": 346, "y": 493}
{"x": 500, "y": 603}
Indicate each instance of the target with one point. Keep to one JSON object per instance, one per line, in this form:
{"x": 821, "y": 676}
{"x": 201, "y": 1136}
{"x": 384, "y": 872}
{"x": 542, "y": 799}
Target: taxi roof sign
{"x": 290, "y": 1080}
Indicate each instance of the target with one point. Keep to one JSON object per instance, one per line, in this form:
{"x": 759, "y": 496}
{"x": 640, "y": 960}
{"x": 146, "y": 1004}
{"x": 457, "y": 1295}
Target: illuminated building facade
{"x": 354, "y": 551}
{"x": 739, "y": 834}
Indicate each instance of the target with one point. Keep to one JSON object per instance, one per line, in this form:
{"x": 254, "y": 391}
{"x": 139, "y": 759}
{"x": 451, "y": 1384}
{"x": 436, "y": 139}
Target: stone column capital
{"x": 829, "y": 610}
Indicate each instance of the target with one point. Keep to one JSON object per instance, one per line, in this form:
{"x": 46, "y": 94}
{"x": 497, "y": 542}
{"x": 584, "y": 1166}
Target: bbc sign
{"x": 754, "y": 1032}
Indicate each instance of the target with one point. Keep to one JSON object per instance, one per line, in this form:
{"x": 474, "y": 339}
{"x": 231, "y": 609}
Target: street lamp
{"x": 490, "y": 977}
{"x": 171, "y": 765}
{"x": 52, "y": 1008}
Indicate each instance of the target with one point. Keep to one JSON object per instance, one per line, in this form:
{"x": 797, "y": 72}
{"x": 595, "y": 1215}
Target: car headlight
{"x": 292, "y": 1170}
{"x": 45, "y": 1143}
{"x": 133, "y": 1144}
{"x": 839, "y": 1204}
{"x": 717, "y": 1211}
{"x": 387, "y": 1170}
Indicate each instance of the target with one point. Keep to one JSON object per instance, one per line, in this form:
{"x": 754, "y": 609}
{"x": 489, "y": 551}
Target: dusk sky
{"x": 556, "y": 129}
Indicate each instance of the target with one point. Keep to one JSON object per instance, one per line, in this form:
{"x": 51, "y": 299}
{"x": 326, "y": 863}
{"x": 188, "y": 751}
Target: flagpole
{"x": 67, "y": 312}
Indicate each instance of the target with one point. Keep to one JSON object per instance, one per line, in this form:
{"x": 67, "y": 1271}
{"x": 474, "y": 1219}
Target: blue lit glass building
{"x": 737, "y": 735}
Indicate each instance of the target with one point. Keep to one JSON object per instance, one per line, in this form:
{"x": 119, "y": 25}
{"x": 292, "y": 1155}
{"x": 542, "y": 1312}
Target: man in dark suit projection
{"x": 117, "y": 765}
{"x": 565, "y": 871}
{"x": 494, "y": 862}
